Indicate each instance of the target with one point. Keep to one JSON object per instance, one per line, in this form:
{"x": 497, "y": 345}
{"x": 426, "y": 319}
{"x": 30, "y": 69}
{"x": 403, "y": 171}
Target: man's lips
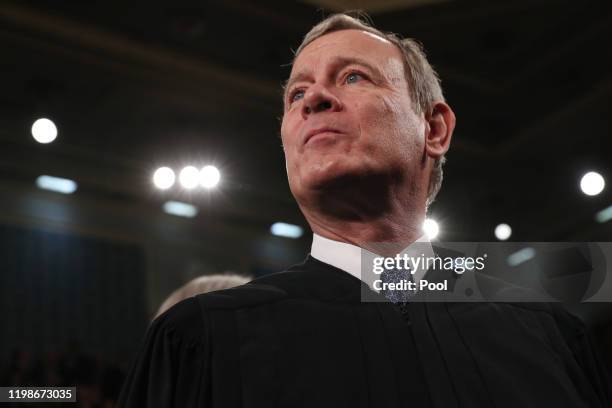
{"x": 314, "y": 132}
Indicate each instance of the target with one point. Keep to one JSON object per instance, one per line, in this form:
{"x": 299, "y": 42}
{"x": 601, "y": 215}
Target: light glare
{"x": 592, "y": 183}
{"x": 57, "y": 184}
{"x": 503, "y": 232}
{"x": 180, "y": 209}
{"x": 282, "y": 229}
{"x": 189, "y": 177}
{"x": 431, "y": 228}
{"x": 209, "y": 176}
{"x": 521, "y": 256}
{"x": 604, "y": 215}
{"x": 44, "y": 130}
{"x": 164, "y": 178}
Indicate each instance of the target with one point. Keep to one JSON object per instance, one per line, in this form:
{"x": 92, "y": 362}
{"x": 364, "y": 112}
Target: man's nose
{"x": 319, "y": 99}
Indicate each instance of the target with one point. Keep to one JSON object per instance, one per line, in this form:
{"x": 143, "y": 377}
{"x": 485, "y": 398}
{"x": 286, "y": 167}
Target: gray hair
{"x": 423, "y": 81}
{"x": 202, "y": 284}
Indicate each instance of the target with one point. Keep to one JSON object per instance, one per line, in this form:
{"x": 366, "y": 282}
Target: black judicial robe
{"x": 303, "y": 338}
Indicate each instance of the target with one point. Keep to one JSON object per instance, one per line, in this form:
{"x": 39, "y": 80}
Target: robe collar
{"x": 347, "y": 257}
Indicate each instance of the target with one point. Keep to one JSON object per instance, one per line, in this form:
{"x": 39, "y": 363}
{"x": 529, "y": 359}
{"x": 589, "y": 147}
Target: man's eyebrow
{"x": 297, "y": 78}
{"x": 341, "y": 62}
{"x": 337, "y": 63}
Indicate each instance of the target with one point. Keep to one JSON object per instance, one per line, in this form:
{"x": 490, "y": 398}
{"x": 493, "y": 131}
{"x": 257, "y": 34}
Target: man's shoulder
{"x": 500, "y": 292}
{"x": 250, "y": 294}
{"x": 182, "y": 321}
{"x": 288, "y": 283}
{"x": 189, "y": 318}
{"x": 513, "y": 296}
{"x": 188, "y": 313}
{"x": 310, "y": 279}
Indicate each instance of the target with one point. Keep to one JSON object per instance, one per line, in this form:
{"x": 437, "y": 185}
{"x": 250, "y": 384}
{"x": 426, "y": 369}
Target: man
{"x": 365, "y": 129}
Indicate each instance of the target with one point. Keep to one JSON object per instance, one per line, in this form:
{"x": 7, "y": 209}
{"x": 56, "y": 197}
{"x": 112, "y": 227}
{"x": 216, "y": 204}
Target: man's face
{"x": 348, "y": 113}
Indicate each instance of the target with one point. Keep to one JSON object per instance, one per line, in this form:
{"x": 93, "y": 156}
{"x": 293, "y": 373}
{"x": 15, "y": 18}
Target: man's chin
{"x": 321, "y": 177}
{"x": 333, "y": 179}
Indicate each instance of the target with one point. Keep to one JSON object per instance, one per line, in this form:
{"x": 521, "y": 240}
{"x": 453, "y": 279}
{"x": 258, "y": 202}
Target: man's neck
{"x": 395, "y": 230}
{"x": 367, "y": 210}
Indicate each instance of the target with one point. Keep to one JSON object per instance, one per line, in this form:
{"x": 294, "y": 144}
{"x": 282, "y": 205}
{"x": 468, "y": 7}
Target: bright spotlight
{"x": 57, "y": 184}
{"x": 164, "y": 178}
{"x": 209, "y": 176}
{"x": 44, "y": 130}
{"x": 592, "y": 183}
{"x": 189, "y": 177}
{"x": 503, "y": 232}
{"x": 282, "y": 229}
{"x": 431, "y": 228}
{"x": 180, "y": 209}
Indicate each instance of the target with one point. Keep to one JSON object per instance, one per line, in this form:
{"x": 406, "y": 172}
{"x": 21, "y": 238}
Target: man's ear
{"x": 439, "y": 129}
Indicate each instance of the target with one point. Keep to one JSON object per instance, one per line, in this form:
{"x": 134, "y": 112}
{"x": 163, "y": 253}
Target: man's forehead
{"x": 346, "y": 43}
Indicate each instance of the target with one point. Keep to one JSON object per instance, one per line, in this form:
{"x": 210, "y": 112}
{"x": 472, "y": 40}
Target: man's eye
{"x": 296, "y": 95}
{"x": 353, "y": 77}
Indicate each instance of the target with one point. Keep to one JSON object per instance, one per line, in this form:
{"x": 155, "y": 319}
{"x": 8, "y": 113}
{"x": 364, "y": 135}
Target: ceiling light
{"x": 431, "y": 228}
{"x": 164, "y": 178}
{"x": 57, "y": 184}
{"x": 282, "y": 229}
{"x": 180, "y": 209}
{"x": 189, "y": 177}
{"x": 503, "y": 232}
{"x": 592, "y": 183}
{"x": 44, "y": 130}
{"x": 209, "y": 176}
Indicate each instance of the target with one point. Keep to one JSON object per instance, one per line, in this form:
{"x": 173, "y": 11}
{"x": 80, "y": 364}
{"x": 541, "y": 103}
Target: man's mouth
{"x": 319, "y": 132}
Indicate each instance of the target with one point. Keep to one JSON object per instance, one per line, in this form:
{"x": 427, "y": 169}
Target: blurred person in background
{"x": 202, "y": 284}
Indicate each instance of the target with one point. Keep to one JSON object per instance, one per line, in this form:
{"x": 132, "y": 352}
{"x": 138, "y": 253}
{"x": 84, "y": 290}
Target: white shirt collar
{"x": 347, "y": 257}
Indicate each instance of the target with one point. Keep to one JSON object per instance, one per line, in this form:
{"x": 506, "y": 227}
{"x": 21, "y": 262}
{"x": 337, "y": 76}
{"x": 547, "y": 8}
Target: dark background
{"x": 133, "y": 86}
